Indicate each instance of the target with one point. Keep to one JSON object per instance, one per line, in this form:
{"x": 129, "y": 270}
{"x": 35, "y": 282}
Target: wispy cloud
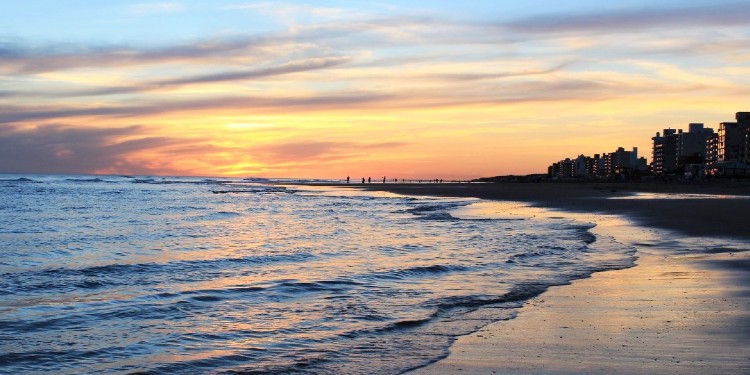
{"x": 16, "y": 58}
{"x": 469, "y": 76}
{"x": 314, "y": 151}
{"x": 635, "y": 20}
{"x": 306, "y": 65}
{"x": 65, "y": 149}
{"x": 13, "y": 114}
{"x": 286, "y": 68}
{"x": 318, "y": 72}
{"x": 332, "y": 38}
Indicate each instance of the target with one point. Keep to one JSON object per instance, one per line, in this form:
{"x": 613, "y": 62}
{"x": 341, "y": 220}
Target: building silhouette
{"x": 734, "y": 139}
{"x": 700, "y": 151}
{"x": 733, "y": 147}
{"x": 619, "y": 163}
{"x": 694, "y": 153}
{"x": 677, "y": 151}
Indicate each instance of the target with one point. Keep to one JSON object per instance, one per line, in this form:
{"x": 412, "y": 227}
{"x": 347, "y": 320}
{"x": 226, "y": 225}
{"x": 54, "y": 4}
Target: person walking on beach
{"x": 363, "y": 180}
{"x": 347, "y": 179}
{"x": 383, "y": 179}
{"x": 369, "y": 180}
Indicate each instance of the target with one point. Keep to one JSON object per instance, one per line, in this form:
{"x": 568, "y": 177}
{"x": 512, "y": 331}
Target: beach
{"x": 684, "y": 308}
{"x": 189, "y": 275}
{"x": 721, "y": 216}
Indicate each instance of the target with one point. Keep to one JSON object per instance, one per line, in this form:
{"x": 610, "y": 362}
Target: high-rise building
{"x": 679, "y": 151}
{"x": 733, "y": 147}
{"x": 621, "y": 163}
{"x": 664, "y": 157}
{"x": 743, "y": 120}
{"x": 734, "y": 139}
{"x": 691, "y": 147}
{"x": 730, "y": 139}
{"x": 712, "y": 150}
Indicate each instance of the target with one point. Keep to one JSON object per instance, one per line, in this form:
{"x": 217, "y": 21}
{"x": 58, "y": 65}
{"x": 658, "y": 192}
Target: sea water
{"x": 120, "y": 274}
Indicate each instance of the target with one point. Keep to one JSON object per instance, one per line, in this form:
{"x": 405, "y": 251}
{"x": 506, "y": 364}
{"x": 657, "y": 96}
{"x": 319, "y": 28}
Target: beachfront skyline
{"x": 329, "y": 89}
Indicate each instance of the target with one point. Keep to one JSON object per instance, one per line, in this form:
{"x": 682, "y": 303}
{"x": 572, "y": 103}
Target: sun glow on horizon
{"x": 337, "y": 89}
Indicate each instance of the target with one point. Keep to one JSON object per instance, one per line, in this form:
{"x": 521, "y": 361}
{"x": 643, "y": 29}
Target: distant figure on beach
{"x": 363, "y": 180}
{"x": 383, "y": 179}
{"x": 369, "y": 180}
{"x": 347, "y": 179}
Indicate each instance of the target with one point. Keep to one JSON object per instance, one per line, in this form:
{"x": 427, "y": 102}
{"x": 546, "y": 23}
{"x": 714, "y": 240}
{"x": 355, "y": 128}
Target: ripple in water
{"x": 137, "y": 274}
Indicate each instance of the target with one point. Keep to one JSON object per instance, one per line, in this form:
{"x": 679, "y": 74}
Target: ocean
{"x": 178, "y": 275}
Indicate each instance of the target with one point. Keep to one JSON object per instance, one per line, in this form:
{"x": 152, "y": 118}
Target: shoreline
{"x": 726, "y": 218}
{"x": 665, "y": 315}
{"x": 683, "y": 308}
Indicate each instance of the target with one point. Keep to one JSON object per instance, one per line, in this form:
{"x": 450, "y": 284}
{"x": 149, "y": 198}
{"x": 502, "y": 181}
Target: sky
{"x": 329, "y": 89}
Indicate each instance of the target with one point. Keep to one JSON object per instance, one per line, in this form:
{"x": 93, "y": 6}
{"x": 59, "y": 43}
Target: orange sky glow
{"x": 336, "y": 89}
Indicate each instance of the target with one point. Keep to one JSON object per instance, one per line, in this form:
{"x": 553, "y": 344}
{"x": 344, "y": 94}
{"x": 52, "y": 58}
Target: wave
{"x": 437, "y": 206}
{"x": 141, "y": 274}
{"x": 152, "y": 181}
{"x": 259, "y": 189}
{"x": 167, "y": 181}
{"x": 335, "y": 284}
{"x": 403, "y": 325}
{"x": 84, "y": 180}
{"x": 274, "y": 290}
{"x": 438, "y": 216}
{"x": 521, "y": 292}
{"x": 22, "y": 180}
{"x": 219, "y": 215}
{"x": 418, "y": 271}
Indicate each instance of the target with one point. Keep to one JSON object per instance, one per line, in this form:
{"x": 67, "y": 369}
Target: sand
{"x": 664, "y": 316}
{"x": 727, "y": 218}
{"x": 684, "y": 308}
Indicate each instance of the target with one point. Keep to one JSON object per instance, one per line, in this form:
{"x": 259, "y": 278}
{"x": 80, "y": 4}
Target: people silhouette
{"x": 347, "y": 179}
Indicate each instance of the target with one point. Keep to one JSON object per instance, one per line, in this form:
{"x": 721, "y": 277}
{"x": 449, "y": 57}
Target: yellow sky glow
{"x": 395, "y": 94}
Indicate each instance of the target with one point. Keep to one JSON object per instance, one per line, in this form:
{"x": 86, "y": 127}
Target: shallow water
{"x": 106, "y": 274}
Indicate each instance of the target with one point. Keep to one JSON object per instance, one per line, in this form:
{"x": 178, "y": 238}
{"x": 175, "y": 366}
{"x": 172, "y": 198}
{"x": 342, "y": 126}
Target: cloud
{"x": 309, "y": 151}
{"x": 291, "y": 67}
{"x": 366, "y": 33}
{"x": 64, "y": 149}
{"x": 686, "y": 46}
{"x": 16, "y": 58}
{"x": 21, "y": 57}
{"x": 14, "y": 114}
{"x": 299, "y": 66}
{"x": 636, "y": 20}
{"x": 485, "y": 76}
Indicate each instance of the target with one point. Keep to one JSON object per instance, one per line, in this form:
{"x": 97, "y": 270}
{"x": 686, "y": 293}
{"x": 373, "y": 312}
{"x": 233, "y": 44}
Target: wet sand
{"x": 664, "y": 316}
{"x": 701, "y": 217}
{"x": 684, "y": 308}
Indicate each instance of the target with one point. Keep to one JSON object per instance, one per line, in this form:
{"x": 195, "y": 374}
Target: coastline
{"x": 666, "y": 315}
{"x": 725, "y": 217}
{"x": 683, "y": 308}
